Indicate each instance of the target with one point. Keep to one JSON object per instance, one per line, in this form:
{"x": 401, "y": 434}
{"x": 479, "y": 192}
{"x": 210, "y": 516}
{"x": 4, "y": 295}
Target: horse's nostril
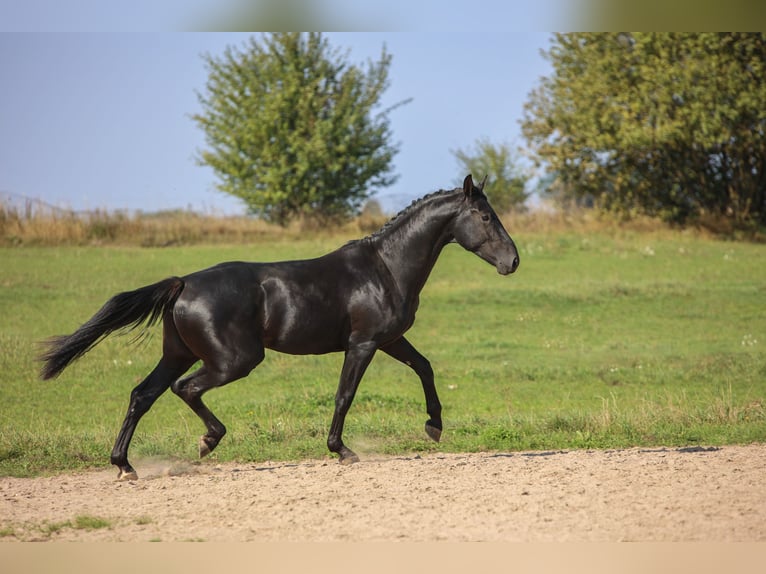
{"x": 515, "y": 264}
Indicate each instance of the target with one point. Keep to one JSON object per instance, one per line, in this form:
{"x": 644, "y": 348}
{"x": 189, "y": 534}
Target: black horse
{"x": 357, "y": 299}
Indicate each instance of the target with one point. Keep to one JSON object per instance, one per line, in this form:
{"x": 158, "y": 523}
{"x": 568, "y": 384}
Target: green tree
{"x": 673, "y": 125}
{"x": 293, "y": 129}
{"x": 506, "y": 181}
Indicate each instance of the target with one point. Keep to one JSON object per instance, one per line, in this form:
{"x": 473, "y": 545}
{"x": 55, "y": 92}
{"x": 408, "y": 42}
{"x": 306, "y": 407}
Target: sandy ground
{"x": 617, "y": 495}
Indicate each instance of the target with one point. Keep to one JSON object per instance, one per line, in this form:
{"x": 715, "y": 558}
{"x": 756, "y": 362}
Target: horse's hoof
{"x": 127, "y": 475}
{"x": 204, "y": 448}
{"x": 350, "y": 458}
{"x": 433, "y": 432}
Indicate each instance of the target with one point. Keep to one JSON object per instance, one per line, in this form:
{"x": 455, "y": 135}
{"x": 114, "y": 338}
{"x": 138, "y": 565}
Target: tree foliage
{"x": 292, "y": 127}
{"x": 506, "y": 181}
{"x": 673, "y": 125}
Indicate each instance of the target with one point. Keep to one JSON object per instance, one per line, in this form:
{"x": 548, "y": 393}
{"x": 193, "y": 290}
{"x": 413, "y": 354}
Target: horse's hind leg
{"x": 176, "y": 360}
{"x": 141, "y": 399}
{"x": 211, "y": 375}
{"x": 403, "y": 351}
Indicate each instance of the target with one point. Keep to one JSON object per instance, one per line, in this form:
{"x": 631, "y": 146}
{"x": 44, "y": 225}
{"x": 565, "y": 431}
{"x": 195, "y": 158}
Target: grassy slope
{"x": 598, "y": 341}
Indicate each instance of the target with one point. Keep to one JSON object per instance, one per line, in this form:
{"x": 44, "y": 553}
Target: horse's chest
{"x": 394, "y": 320}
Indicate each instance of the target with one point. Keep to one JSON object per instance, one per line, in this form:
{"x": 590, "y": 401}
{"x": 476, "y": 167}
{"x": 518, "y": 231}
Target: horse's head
{"x": 478, "y": 229}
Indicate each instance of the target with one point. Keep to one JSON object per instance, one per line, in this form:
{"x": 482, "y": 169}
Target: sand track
{"x": 634, "y": 494}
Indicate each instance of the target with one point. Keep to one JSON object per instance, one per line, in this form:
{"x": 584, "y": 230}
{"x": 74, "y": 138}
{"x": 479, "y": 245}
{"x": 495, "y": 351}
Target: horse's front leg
{"x": 355, "y": 363}
{"x": 403, "y": 351}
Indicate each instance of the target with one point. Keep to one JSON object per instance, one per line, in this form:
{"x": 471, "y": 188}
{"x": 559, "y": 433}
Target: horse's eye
{"x": 485, "y": 217}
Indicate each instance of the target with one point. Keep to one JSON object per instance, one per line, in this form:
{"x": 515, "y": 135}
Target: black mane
{"x": 416, "y": 204}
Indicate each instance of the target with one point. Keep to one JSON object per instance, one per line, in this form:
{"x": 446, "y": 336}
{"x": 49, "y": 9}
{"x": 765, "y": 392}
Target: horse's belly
{"x": 303, "y": 345}
{"x": 303, "y": 333}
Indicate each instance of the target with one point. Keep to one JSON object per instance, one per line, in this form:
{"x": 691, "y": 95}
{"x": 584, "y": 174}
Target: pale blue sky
{"x": 101, "y": 120}
{"x": 506, "y": 16}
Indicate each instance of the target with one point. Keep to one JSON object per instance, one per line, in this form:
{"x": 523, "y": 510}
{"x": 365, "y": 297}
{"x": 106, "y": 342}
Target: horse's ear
{"x": 468, "y": 186}
{"x": 483, "y": 181}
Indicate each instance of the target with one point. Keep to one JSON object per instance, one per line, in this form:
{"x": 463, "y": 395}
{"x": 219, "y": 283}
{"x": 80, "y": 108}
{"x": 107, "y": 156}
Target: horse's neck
{"x": 411, "y": 248}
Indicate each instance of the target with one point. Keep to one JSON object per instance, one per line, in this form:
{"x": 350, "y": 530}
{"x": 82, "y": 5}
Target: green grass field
{"x": 598, "y": 341}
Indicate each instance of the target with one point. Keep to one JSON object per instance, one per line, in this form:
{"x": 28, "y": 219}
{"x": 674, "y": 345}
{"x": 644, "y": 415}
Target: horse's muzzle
{"x": 506, "y": 269}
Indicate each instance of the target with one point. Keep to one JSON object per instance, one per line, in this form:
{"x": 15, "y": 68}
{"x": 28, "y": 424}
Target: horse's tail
{"x": 129, "y": 309}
